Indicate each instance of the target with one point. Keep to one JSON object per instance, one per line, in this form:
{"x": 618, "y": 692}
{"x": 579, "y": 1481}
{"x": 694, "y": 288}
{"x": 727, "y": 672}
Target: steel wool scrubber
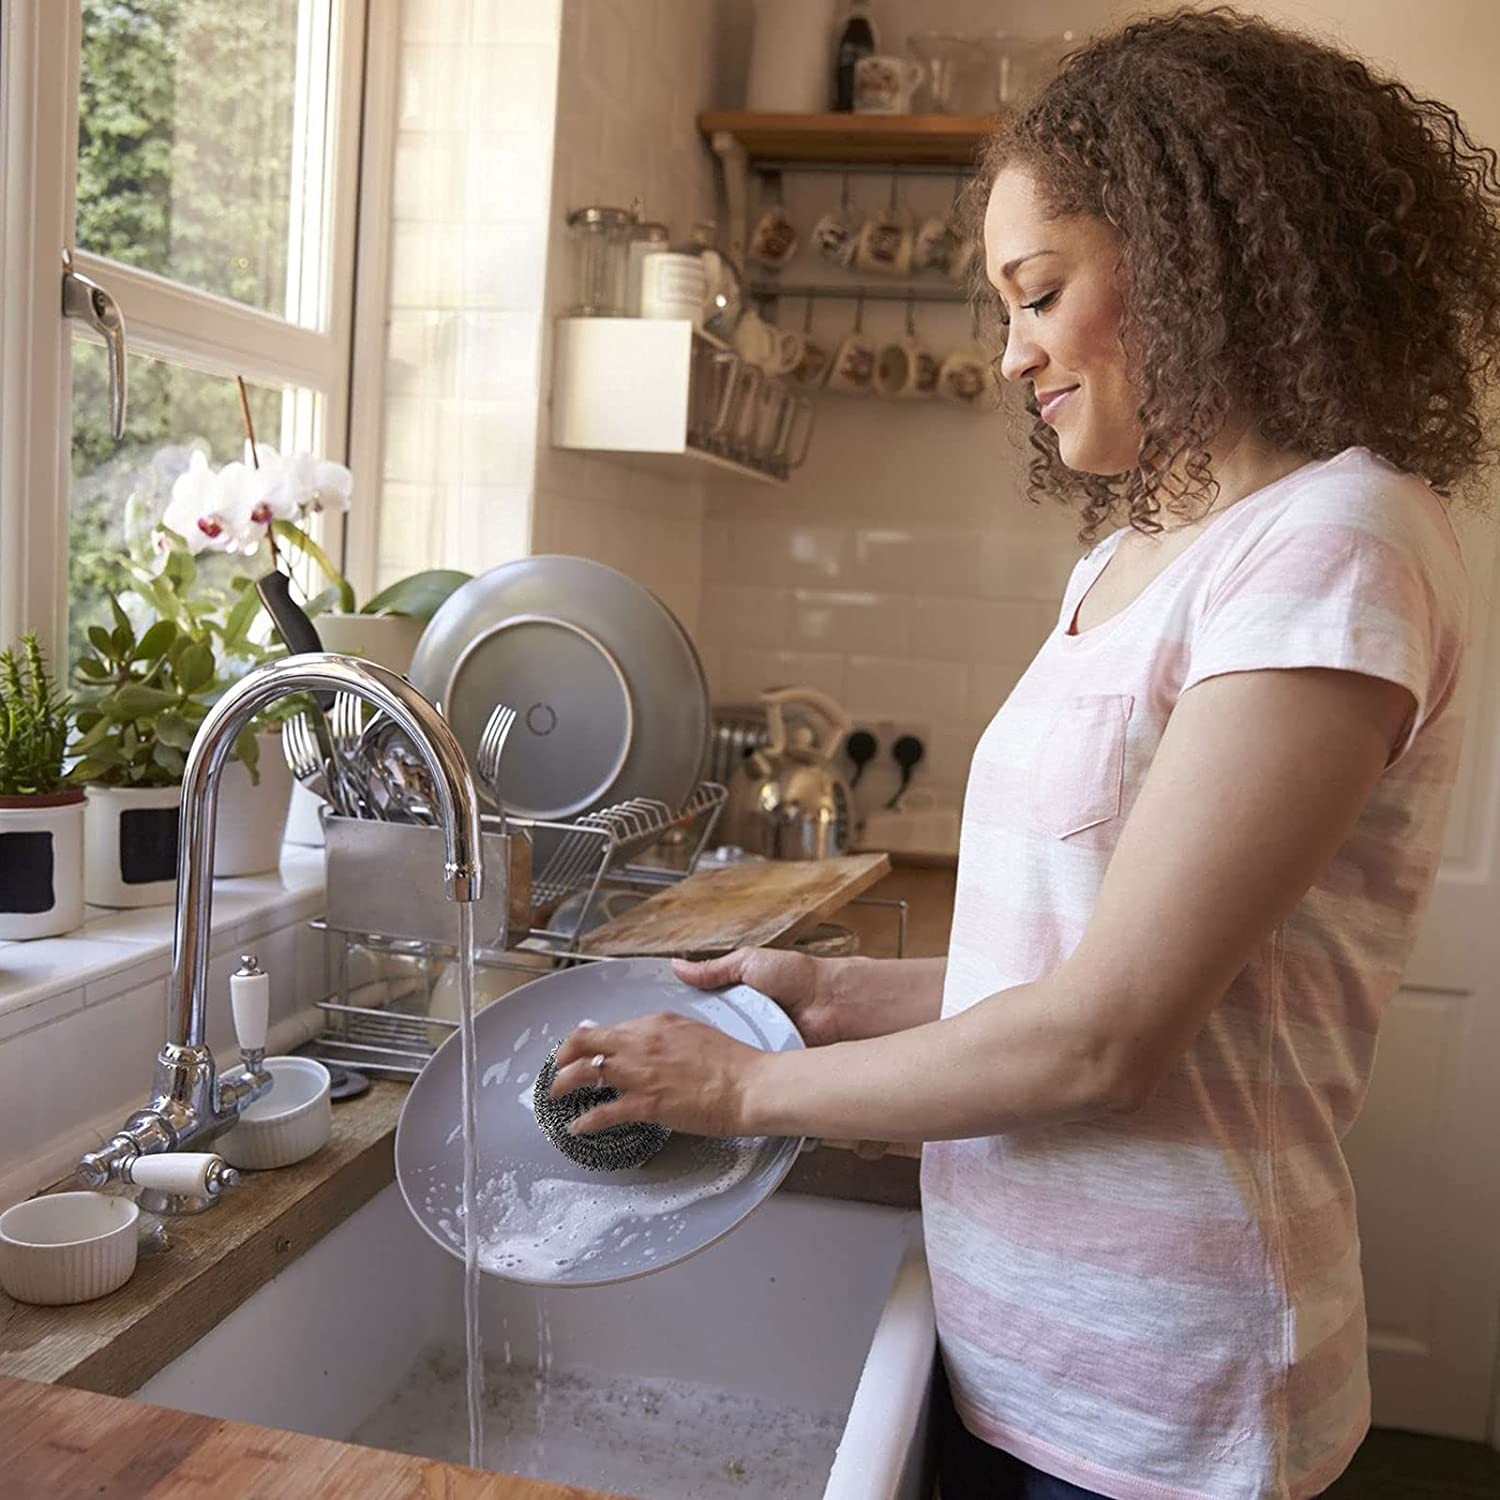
{"x": 632, "y": 1144}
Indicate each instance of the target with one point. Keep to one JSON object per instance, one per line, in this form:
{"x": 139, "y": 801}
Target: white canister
{"x": 673, "y": 285}
{"x": 645, "y": 239}
{"x": 390, "y": 640}
{"x": 791, "y": 57}
{"x": 41, "y": 865}
{"x": 130, "y": 845}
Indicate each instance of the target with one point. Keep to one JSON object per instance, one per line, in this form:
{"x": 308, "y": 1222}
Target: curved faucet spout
{"x": 430, "y": 735}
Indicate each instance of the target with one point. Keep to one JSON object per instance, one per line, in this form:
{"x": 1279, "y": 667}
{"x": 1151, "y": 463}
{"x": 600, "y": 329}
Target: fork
{"x": 491, "y": 747}
{"x": 301, "y": 751}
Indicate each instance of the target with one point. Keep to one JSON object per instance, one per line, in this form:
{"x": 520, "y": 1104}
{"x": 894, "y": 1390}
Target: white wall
{"x": 633, "y": 76}
{"x": 471, "y": 200}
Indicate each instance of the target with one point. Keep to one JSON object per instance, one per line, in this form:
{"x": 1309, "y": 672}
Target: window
{"x": 199, "y": 157}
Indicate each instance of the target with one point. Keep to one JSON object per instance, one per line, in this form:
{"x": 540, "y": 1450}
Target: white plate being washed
{"x": 609, "y": 691}
{"x": 543, "y": 1218}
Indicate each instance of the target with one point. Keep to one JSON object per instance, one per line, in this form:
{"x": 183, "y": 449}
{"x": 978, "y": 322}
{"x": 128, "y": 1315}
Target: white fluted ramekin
{"x": 290, "y": 1123}
{"x": 67, "y": 1247}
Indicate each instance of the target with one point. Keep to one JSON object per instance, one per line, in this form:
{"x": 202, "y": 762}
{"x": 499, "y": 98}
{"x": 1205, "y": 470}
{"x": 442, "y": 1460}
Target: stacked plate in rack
{"x": 610, "y": 693}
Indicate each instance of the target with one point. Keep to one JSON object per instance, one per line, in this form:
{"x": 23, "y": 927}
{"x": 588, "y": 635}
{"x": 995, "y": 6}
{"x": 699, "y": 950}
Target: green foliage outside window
{"x": 184, "y": 168}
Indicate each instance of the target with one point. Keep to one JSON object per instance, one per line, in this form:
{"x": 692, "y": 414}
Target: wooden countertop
{"x": 61, "y": 1444}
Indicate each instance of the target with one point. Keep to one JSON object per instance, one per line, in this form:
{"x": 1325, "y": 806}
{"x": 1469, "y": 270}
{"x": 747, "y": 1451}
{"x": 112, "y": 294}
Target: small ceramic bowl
{"x": 290, "y": 1123}
{"x": 67, "y": 1247}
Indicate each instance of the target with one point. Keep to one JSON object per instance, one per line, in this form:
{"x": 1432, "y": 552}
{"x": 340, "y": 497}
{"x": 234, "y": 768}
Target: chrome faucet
{"x": 191, "y": 1102}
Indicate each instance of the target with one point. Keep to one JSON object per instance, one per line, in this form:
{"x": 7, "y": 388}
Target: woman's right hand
{"x": 799, "y": 983}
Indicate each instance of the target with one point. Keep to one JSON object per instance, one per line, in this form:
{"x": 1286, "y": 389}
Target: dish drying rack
{"x": 395, "y": 993}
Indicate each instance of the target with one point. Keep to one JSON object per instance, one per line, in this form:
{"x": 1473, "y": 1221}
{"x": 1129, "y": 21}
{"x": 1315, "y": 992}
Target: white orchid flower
{"x": 194, "y": 511}
{"x": 243, "y": 507}
{"x": 217, "y": 511}
{"x": 297, "y": 483}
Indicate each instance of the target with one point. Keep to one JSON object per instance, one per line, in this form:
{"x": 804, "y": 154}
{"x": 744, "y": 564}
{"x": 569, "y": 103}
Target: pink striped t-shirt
{"x": 1167, "y": 1304}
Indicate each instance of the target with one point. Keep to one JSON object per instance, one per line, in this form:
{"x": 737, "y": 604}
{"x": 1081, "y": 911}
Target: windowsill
{"x": 118, "y": 950}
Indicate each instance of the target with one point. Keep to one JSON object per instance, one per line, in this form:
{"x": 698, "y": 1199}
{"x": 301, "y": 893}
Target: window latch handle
{"x": 84, "y": 299}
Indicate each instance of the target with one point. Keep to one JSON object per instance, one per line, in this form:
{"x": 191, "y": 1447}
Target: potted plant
{"x": 259, "y": 510}
{"x": 142, "y": 700}
{"x": 41, "y": 819}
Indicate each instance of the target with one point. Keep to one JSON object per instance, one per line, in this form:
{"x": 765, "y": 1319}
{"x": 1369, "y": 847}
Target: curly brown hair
{"x": 1302, "y": 240}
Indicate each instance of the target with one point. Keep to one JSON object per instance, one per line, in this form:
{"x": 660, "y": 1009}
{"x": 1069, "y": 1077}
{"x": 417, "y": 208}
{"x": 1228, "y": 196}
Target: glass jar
{"x": 601, "y": 246}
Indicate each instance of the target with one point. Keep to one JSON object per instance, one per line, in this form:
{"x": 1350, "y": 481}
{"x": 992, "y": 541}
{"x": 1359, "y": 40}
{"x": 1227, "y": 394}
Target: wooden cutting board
{"x": 739, "y": 906}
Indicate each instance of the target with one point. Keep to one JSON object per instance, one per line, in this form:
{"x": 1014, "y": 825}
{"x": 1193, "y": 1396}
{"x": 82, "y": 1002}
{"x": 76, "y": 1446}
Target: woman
{"x": 1252, "y": 290}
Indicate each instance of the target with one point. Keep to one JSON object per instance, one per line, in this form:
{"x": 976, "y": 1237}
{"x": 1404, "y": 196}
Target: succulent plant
{"x": 141, "y": 703}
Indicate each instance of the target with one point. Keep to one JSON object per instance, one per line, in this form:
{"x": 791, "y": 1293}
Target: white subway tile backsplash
{"x": 979, "y": 630}
{"x": 779, "y": 548}
{"x": 851, "y": 622}
{"x": 747, "y": 672}
{"x": 532, "y": 24}
{"x": 749, "y": 617}
{"x": 933, "y": 691}
{"x": 498, "y": 359}
{"x": 509, "y": 87}
{"x": 428, "y": 177}
{"x": 915, "y": 560}
{"x": 506, "y": 179}
{"x": 432, "y": 87}
{"x": 1014, "y": 565}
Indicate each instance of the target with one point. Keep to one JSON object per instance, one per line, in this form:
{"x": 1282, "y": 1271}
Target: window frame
{"x": 40, "y": 44}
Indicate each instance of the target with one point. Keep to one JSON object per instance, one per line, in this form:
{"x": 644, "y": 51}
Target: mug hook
{"x": 807, "y": 307}
{"x": 859, "y": 313}
{"x": 895, "y": 184}
{"x": 844, "y": 196}
{"x": 911, "y": 317}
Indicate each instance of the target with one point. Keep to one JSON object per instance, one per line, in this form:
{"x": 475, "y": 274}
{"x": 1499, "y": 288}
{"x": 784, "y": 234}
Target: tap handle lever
{"x": 250, "y": 999}
{"x": 198, "y": 1174}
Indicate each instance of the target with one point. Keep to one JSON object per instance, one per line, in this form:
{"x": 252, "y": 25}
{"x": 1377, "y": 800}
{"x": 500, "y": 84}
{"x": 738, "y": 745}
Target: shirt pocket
{"x": 1079, "y": 767}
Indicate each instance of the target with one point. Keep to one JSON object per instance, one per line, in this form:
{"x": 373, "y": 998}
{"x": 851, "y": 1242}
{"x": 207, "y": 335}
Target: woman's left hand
{"x": 665, "y": 1068}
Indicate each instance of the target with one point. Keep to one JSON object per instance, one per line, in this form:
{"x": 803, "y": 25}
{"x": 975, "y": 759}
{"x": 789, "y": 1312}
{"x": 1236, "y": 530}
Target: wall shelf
{"x": 624, "y": 387}
{"x": 744, "y": 141}
{"x": 889, "y": 140}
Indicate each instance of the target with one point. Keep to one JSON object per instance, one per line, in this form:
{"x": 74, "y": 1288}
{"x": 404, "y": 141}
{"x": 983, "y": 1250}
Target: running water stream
{"x": 468, "y": 1063}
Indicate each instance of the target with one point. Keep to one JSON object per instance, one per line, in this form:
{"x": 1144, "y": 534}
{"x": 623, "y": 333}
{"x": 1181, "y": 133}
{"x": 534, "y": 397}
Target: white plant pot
{"x": 252, "y": 819}
{"x": 130, "y": 839}
{"x": 304, "y": 823}
{"x": 41, "y": 865}
{"x": 388, "y": 640}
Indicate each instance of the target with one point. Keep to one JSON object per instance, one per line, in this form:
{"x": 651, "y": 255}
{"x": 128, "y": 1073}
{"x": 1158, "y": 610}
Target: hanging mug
{"x": 885, "y": 85}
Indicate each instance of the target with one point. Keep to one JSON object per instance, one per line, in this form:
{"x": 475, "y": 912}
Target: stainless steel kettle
{"x": 788, "y": 800}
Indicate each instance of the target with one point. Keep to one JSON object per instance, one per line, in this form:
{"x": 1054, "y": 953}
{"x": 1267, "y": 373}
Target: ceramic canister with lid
{"x": 646, "y": 238}
{"x": 673, "y": 285}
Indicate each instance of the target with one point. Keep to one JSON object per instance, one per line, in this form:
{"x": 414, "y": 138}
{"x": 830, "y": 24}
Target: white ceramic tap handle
{"x": 250, "y": 999}
{"x": 175, "y": 1171}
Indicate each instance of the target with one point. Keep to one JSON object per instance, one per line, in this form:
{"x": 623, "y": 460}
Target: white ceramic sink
{"x": 738, "y": 1372}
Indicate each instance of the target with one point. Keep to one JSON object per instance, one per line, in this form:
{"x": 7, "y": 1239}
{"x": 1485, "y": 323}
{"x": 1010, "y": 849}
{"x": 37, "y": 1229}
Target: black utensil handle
{"x": 291, "y": 620}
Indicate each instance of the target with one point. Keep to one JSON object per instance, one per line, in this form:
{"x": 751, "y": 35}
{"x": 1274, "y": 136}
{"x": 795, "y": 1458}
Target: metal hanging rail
{"x": 770, "y": 291}
{"x": 764, "y": 166}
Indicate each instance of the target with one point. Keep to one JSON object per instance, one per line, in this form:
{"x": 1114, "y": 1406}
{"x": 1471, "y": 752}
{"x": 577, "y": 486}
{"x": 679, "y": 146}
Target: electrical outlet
{"x": 882, "y": 776}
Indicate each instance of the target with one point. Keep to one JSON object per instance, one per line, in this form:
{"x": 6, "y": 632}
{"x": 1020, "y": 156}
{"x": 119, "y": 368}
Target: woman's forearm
{"x": 1025, "y": 1056}
{"x": 878, "y": 996}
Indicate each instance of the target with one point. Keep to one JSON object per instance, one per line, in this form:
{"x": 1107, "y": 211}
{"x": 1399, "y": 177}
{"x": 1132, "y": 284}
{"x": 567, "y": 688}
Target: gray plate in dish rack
{"x": 610, "y": 693}
{"x": 543, "y": 1219}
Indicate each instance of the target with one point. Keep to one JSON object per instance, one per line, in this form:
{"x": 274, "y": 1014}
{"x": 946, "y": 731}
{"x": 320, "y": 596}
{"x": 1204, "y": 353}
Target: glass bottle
{"x": 856, "y": 40}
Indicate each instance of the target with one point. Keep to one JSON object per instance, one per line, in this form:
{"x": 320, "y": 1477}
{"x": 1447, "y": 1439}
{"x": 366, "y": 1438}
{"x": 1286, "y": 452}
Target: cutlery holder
{"x": 387, "y": 878}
